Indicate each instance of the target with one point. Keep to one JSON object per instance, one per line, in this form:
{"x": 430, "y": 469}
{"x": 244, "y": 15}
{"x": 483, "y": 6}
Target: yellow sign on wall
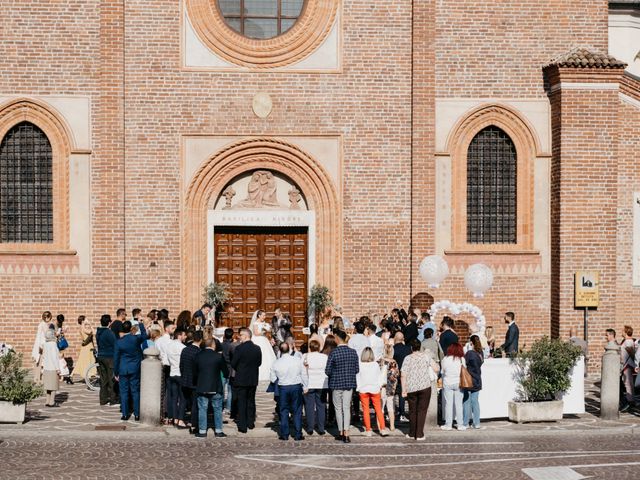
{"x": 587, "y": 288}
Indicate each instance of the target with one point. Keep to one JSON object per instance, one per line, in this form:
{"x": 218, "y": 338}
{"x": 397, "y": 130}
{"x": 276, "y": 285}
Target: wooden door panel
{"x": 266, "y": 268}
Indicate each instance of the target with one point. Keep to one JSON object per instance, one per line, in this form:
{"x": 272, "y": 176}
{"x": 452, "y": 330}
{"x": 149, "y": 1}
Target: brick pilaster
{"x": 585, "y": 129}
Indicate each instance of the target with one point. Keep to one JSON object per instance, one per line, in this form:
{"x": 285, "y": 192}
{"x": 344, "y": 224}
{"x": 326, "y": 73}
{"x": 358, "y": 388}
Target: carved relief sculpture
{"x": 228, "y": 195}
{"x": 294, "y": 198}
{"x": 262, "y": 191}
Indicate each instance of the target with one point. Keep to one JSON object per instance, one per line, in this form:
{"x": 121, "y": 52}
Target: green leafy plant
{"x": 217, "y": 294}
{"x": 15, "y": 386}
{"x": 543, "y": 370}
{"x": 319, "y": 300}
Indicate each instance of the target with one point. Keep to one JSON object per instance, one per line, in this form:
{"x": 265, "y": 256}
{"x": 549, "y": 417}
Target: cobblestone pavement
{"x": 80, "y": 411}
{"x": 70, "y": 442}
{"x": 477, "y": 455}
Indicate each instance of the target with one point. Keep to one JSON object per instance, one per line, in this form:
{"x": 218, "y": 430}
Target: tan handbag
{"x": 466, "y": 381}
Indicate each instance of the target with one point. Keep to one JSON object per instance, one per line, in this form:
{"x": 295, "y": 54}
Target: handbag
{"x": 466, "y": 381}
{"x": 433, "y": 376}
{"x": 62, "y": 343}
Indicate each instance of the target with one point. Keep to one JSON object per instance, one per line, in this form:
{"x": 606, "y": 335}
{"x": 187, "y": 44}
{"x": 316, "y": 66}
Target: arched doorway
{"x": 262, "y": 247}
{"x": 263, "y": 216}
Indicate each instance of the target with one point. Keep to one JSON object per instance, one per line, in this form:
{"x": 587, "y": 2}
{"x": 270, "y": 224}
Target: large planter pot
{"x": 521, "y": 412}
{"x": 12, "y": 413}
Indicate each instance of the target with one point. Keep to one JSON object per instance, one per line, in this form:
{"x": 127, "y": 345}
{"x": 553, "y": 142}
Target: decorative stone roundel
{"x": 309, "y": 31}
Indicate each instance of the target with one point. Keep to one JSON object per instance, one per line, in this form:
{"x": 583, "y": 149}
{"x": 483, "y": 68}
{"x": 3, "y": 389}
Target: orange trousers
{"x": 377, "y": 407}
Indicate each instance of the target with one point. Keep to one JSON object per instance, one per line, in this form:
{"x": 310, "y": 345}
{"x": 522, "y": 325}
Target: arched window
{"x": 26, "y": 186}
{"x": 492, "y": 188}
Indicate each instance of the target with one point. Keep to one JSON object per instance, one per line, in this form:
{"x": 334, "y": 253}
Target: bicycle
{"x": 92, "y": 377}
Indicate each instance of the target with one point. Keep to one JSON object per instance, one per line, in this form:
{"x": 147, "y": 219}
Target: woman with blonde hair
{"x": 154, "y": 334}
{"x": 50, "y": 368}
{"x": 388, "y": 364}
{"x": 86, "y": 356}
{"x": 369, "y": 386}
{"x": 491, "y": 339}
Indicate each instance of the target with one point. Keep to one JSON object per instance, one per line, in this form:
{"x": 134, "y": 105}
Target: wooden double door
{"x": 266, "y": 269}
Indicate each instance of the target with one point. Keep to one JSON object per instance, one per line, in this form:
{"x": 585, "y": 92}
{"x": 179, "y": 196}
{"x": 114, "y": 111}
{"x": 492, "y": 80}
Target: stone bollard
{"x": 610, "y": 383}
{"x": 150, "y": 386}
{"x": 431, "y": 422}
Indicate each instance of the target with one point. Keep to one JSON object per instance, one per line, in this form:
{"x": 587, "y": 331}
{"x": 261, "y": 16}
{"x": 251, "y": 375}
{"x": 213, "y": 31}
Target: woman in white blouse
{"x": 369, "y": 386}
{"x": 51, "y": 368}
{"x": 451, "y": 366}
{"x": 317, "y": 384}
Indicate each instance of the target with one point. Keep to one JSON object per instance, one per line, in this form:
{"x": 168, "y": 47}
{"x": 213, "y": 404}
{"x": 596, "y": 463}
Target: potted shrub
{"x": 319, "y": 300}
{"x": 16, "y": 389}
{"x": 543, "y": 376}
{"x": 217, "y": 295}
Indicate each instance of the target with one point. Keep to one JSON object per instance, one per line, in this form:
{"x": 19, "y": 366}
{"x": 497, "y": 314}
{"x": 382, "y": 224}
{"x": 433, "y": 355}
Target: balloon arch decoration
{"x": 457, "y": 309}
{"x": 478, "y": 278}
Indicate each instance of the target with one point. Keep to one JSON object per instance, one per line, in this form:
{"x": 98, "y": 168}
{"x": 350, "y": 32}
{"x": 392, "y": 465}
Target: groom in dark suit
{"x": 510, "y": 345}
{"x": 246, "y": 361}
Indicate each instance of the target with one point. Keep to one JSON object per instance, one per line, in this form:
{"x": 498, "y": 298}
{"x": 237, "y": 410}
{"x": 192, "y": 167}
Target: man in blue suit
{"x": 126, "y": 368}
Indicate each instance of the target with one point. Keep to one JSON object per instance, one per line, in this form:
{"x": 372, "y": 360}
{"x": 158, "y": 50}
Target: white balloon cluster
{"x": 478, "y": 278}
{"x": 457, "y": 309}
{"x": 434, "y": 269}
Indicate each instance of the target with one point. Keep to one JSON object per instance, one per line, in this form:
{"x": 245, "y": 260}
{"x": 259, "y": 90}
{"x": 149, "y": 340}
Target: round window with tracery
{"x": 260, "y": 19}
{"x": 262, "y": 33}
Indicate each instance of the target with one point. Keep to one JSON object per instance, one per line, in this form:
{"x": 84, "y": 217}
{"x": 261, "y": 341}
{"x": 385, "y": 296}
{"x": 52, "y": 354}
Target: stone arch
{"x": 251, "y": 154}
{"x": 527, "y": 147}
{"x": 59, "y": 134}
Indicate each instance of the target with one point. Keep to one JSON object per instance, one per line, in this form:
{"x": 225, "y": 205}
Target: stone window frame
{"x": 527, "y": 149}
{"x": 307, "y": 34}
{"x": 46, "y": 119}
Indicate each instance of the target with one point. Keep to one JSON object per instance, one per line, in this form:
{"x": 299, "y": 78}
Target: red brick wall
{"x": 497, "y": 49}
{"x": 70, "y": 48}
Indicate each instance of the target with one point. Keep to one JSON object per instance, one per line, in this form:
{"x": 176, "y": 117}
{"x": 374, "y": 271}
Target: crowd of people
{"x": 339, "y": 376}
{"x": 343, "y": 373}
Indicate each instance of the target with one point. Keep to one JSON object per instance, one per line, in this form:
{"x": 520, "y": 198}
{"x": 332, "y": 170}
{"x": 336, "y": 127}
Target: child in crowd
{"x": 64, "y": 370}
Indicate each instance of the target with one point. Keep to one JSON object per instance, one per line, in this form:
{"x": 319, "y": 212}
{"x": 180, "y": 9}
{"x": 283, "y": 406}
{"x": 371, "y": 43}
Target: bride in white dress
{"x": 258, "y": 328}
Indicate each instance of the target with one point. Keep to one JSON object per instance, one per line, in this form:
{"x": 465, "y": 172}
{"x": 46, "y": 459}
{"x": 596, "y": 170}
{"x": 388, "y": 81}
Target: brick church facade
{"x": 278, "y": 144}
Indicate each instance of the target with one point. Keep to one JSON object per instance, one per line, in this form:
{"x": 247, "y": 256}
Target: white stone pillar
{"x": 431, "y": 422}
{"x": 150, "y": 386}
{"x": 610, "y": 383}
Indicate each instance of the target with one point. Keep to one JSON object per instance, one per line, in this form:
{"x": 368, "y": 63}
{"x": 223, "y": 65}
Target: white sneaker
{"x": 404, "y": 419}
{"x": 462, "y": 427}
{"x": 368, "y": 433}
{"x": 384, "y": 433}
{"x": 445, "y": 427}
{"x": 479, "y": 427}
{"x": 420, "y": 439}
